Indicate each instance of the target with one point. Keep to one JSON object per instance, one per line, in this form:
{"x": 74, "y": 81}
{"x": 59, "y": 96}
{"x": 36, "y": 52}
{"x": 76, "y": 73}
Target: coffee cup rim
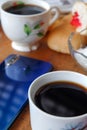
{"x": 31, "y": 2}
{"x": 49, "y": 73}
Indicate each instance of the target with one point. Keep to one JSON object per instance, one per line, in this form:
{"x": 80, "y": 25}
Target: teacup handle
{"x": 55, "y": 12}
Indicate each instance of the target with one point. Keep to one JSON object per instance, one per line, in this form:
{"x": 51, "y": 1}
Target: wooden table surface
{"x": 58, "y": 60}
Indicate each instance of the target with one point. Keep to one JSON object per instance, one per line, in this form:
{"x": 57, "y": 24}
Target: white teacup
{"x": 25, "y": 31}
{"x": 41, "y": 120}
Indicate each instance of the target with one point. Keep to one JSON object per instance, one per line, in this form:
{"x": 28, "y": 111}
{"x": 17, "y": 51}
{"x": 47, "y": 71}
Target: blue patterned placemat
{"x": 14, "y": 92}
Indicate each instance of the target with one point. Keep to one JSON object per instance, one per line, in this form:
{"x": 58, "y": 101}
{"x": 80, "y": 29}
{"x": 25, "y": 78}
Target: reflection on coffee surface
{"x": 64, "y": 99}
{"x": 25, "y": 9}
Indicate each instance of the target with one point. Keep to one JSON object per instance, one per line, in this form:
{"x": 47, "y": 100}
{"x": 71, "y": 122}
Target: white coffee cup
{"x": 41, "y": 120}
{"x": 25, "y": 31}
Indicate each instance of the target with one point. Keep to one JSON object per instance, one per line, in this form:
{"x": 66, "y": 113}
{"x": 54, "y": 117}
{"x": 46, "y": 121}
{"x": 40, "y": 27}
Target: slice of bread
{"x": 58, "y": 37}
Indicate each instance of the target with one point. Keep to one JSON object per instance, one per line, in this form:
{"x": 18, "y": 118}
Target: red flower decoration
{"x": 41, "y": 23}
{"x": 15, "y": 4}
{"x": 75, "y": 21}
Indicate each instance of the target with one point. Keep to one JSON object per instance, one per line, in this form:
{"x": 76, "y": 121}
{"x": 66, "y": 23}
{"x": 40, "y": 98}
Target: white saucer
{"x": 64, "y": 5}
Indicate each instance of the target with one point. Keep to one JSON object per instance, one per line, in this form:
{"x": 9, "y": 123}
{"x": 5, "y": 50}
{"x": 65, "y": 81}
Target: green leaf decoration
{"x": 37, "y": 26}
{"x": 27, "y": 29}
{"x": 20, "y": 3}
{"x": 40, "y": 34}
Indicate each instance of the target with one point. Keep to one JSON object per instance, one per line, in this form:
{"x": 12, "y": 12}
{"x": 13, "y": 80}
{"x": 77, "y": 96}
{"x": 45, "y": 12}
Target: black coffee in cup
{"x": 64, "y": 99}
{"x": 25, "y": 9}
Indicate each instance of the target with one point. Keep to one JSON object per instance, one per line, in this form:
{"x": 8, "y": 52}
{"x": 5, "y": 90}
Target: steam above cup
{"x": 26, "y": 30}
